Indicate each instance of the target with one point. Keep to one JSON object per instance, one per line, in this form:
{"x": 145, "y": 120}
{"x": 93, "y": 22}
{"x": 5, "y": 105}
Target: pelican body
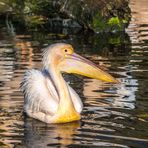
{"x": 48, "y": 97}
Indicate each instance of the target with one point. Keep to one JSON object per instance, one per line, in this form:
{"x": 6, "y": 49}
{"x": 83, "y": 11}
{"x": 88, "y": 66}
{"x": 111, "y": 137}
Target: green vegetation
{"x": 90, "y": 14}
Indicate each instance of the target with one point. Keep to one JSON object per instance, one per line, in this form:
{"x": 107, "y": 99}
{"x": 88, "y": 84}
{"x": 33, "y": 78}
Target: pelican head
{"x": 62, "y": 57}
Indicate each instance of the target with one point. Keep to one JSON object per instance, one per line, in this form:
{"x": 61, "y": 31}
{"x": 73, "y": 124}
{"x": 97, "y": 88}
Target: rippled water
{"x": 113, "y": 115}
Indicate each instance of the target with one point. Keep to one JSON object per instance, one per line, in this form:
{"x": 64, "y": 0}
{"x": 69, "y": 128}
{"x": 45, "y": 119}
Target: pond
{"x": 114, "y": 115}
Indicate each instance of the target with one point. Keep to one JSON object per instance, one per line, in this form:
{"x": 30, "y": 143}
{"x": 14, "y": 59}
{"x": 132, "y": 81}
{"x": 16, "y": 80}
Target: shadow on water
{"x": 113, "y": 115}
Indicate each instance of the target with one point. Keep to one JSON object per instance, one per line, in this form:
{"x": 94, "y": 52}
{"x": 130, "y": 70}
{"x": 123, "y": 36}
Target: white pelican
{"x": 48, "y": 97}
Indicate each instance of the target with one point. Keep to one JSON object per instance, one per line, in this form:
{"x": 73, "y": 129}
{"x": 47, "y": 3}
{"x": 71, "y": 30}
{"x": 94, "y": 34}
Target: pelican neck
{"x": 65, "y": 101}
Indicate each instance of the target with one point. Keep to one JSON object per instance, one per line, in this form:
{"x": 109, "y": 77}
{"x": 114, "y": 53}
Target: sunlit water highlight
{"x": 113, "y": 115}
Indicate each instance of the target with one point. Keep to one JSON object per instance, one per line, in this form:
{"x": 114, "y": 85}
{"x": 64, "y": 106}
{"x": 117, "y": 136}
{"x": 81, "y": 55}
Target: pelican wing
{"x": 39, "y": 92}
{"x": 75, "y": 99}
{"x": 41, "y": 95}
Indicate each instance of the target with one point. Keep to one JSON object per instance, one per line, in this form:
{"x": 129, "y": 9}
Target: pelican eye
{"x": 65, "y": 50}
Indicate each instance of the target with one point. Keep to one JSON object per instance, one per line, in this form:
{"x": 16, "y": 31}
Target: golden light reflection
{"x": 26, "y": 51}
{"x": 10, "y": 75}
{"x": 137, "y": 29}
{"x": 13, "y": 64}
{"x": 59, "y": 134}
{"x": 90, "y": 86}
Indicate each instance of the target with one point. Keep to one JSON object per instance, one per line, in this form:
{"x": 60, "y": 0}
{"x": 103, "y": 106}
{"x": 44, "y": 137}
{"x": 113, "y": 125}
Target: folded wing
{"x": 40, "y": 94}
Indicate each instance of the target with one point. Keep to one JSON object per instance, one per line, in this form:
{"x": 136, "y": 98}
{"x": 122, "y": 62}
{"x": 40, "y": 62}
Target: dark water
{"x": 113, "y": 115}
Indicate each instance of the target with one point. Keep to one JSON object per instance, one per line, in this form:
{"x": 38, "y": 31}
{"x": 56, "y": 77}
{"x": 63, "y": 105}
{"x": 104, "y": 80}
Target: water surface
{"x": 114, "y": 115}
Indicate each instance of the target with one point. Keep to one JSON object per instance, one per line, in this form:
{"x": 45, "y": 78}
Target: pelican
{"x": 48, "y": 97}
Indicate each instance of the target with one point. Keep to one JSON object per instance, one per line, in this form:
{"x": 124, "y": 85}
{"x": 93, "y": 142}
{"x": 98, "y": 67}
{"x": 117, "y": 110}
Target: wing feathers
{"x": 39, "y": 93}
